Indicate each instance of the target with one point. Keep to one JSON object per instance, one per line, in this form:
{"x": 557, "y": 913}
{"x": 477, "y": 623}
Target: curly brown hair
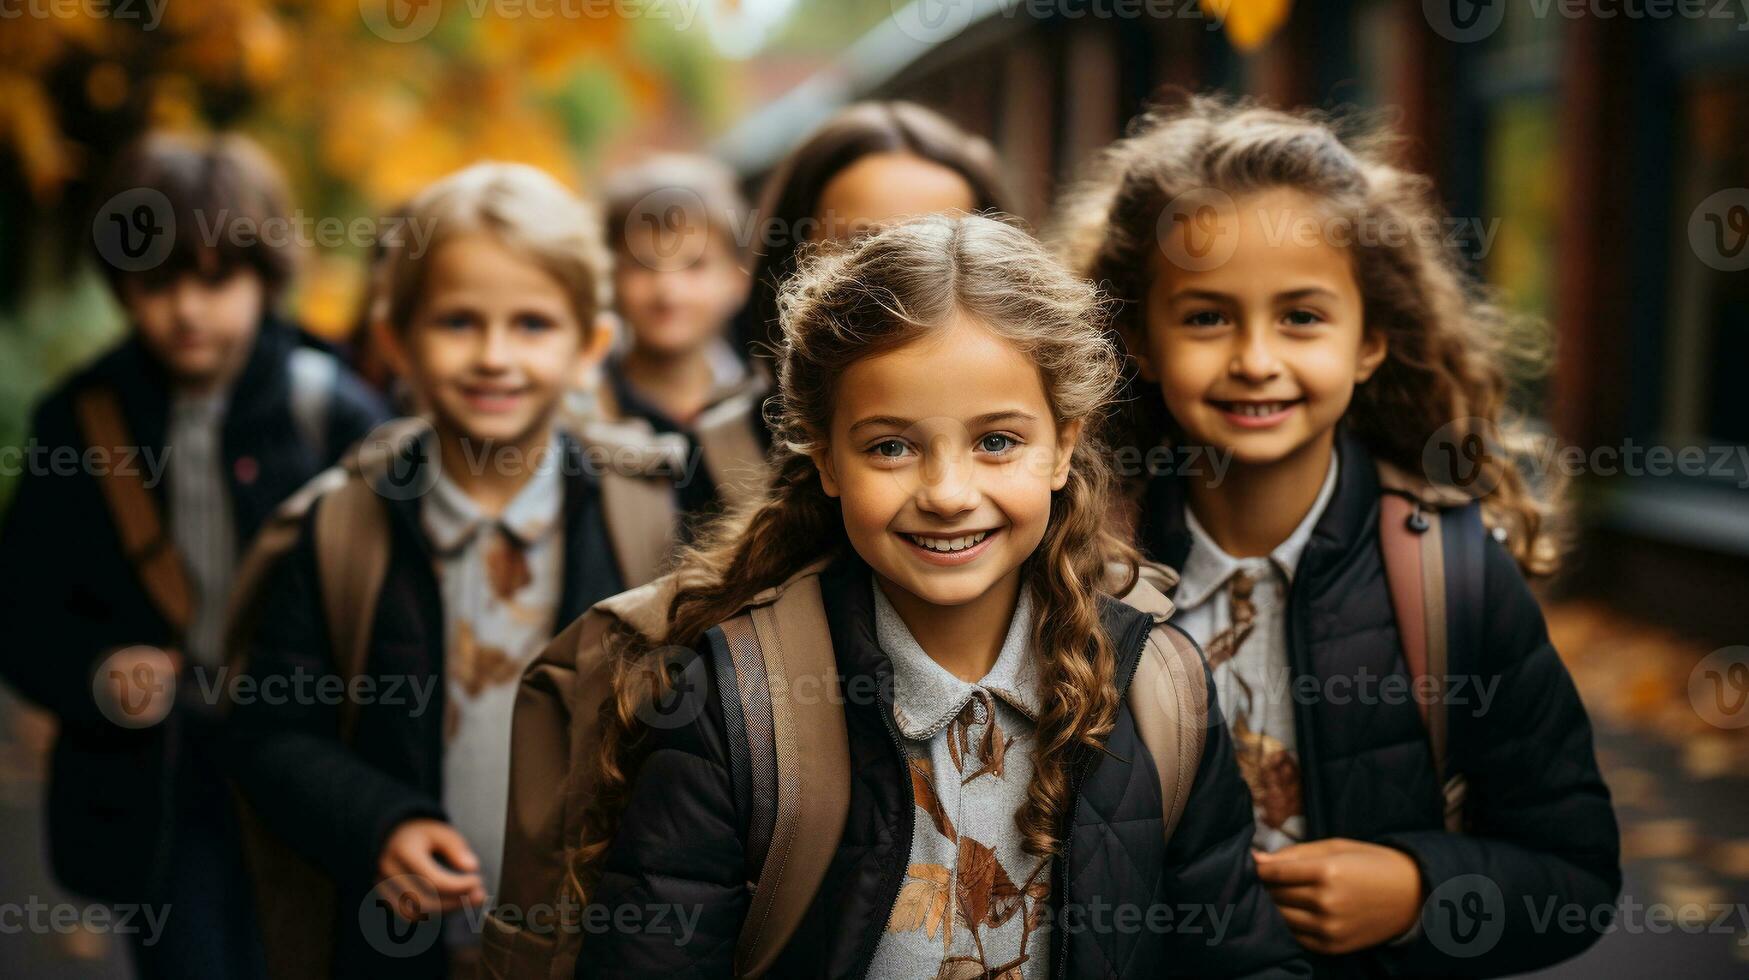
{"x": 1451, "y": 347}
{"x": 876, "y": 295}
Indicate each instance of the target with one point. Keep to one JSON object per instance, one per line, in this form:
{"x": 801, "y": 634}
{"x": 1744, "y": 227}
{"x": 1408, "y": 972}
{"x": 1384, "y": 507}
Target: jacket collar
{"x": 1353, "y": 507}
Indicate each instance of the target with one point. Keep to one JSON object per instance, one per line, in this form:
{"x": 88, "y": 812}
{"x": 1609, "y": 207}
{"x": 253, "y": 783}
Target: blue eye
{"x": 997, "y": 443}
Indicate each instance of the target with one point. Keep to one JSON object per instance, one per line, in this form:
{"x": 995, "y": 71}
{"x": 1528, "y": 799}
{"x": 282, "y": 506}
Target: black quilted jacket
{"x": 680, "y": 843}
{"x": 1540, "y": 832}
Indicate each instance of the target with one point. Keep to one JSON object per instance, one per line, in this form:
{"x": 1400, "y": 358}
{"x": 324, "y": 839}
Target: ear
{"x": 392, "y": 345}
{"x": 1373, "y": 348}
{"x": 599, "y": 341}
{"x": 822, "y": 458}
{"x": 1135, "y": 343}
{"x": 1068, "y": 435}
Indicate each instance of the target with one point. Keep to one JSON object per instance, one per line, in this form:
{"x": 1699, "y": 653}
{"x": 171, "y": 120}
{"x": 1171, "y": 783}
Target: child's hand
{"x": 1340, "y": 895}
{"x": 410, "y": 865}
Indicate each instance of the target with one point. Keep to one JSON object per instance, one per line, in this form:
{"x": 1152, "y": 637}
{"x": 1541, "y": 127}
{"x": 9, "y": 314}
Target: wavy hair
{"x": 1451, "y": 347}
{"x": 856, "y": 301}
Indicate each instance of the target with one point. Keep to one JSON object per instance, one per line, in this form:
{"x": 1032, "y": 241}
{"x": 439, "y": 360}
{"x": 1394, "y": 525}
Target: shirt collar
{"x": 451, "y": 518}
{"x": 926, "y": 697}
{"x": 1207, "y": 567}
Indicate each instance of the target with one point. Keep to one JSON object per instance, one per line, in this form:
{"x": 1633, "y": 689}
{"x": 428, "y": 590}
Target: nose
{"x": 1254, "y": 357}
{"x": 494, "y": 351}
{"x": 949, "y": 486}
{"x": 189, "y": 299}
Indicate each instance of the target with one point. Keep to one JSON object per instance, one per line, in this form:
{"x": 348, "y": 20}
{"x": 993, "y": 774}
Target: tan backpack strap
{"x": 813, "y": 770}
{"x": 732, "y": 453}
{"x": 352, "y": 559}
{"x": 1412, "y": 543}
{"x": 272, "y": 542}
{"x": 1169, "y": 700}
{"x": 639, "y": 514}
{"x": 145, "y": 543}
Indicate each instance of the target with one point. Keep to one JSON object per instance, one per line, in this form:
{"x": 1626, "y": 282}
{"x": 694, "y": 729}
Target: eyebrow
{"x": 989, "y": 418}
{"x": 1215, "y": 297}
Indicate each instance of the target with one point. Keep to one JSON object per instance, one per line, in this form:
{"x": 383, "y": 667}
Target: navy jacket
{"x": 336, "y": 803}
{"x": 1539, "y": 827}
{"x": 69, "y": 597}
{"x": 681, "y": 839}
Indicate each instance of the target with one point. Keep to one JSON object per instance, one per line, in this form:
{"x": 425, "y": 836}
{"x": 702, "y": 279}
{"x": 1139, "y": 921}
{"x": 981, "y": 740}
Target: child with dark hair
{"x": 189, "y": 432}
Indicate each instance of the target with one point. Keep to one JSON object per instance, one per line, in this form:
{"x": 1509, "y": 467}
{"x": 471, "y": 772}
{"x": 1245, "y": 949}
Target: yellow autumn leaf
{"x": 1249, "y": 23}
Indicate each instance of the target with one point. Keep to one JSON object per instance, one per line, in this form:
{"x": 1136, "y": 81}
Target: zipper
{"x": 1138, "y": 634}
{"x": 891, "y": 879}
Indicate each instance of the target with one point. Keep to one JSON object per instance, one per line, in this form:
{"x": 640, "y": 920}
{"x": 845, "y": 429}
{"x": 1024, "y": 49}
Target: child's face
{"x": 942, "y": 442}
{"x": 673, "y": 307}
{"x": 1260, "y": 354}
{"x": 493, "y": 343}
{"x": 886, "y": 188}
{"x": 200, "y": 325}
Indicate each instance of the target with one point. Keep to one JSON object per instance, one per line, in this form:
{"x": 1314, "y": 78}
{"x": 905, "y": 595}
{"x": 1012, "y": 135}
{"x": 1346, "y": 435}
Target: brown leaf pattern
{"x": 1271, "y": 772}
{"x": 957, "y": 894}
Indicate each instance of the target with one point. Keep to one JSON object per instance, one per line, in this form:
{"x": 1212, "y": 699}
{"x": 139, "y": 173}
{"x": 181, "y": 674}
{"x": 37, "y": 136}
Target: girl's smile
{"x": 1251, "y": 414}
{"x": 959, "y": 549}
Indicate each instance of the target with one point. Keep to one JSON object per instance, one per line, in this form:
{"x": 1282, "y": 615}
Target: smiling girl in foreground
{"x": 1286, "y": 297}
{"x": 939, "y": 473}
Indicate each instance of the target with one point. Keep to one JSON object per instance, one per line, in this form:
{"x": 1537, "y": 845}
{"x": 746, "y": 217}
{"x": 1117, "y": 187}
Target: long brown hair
{"x": 876, "y": 295}
{"x": 792, "y": 192}
{"x": 1450, "y": 345}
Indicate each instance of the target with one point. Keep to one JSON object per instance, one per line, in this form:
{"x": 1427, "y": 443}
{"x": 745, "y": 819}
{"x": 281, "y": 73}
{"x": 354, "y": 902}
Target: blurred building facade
{"x": 1602, "y": 160}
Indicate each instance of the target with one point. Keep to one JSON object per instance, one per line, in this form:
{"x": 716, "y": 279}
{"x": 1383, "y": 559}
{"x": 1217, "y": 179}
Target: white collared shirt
{"x": 1255, "y": 686}
{"x": 969, "y": 749}
{"x": 499, "y": 610}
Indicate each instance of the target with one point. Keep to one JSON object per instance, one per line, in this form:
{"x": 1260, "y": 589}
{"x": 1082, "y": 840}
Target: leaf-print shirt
{"x": 1254, "y": 683}
{"x": 973, "y": 902}
{"x": 501, "y": 581}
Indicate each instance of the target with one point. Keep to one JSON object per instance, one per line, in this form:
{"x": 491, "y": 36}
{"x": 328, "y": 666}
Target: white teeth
{"x": 1258, "y": 409}
{"x": 948, "y": 544}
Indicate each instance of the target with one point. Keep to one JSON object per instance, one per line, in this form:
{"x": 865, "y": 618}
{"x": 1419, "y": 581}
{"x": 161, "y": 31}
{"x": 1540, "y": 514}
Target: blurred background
{"x": 1594, "y": 157}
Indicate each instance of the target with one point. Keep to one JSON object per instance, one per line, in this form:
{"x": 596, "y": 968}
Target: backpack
{"x": 725, "y": 431}
{"x": 352, "y": 543}
{"x": 799, "y": 760}
{"x": 1431, "y": 538}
